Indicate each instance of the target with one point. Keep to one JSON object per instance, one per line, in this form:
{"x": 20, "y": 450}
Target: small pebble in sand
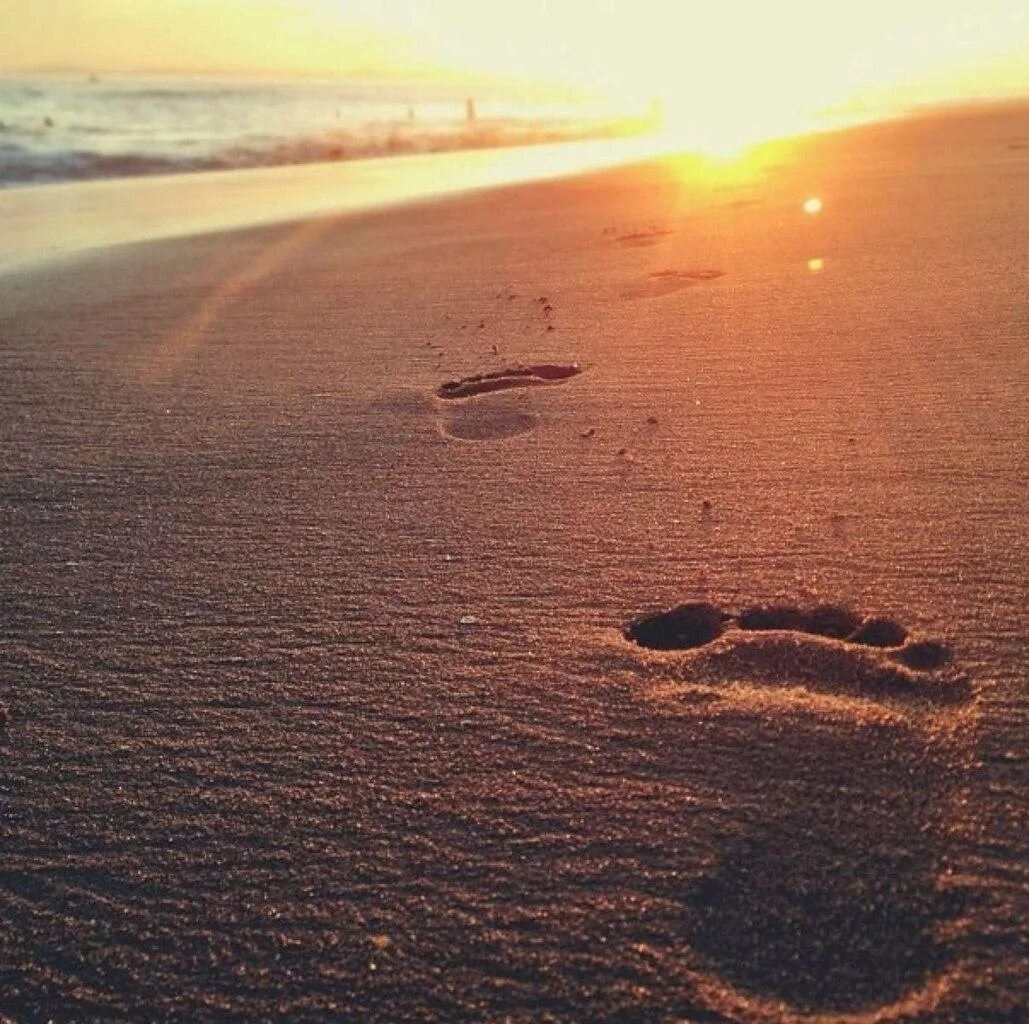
{"x": 380, "y": 942}
{"x": 482, "y": 324}
{"x": 550, "y": 327}
{"x": 588, "y": 433}
{"x": 496, "y": 351}
{"x": 469, "y": 620}
{"x": 513, "y": 295}
{"x": 5, "y": 716}
{"x": 706, "y": 505}
{"x": 652, "y": 420}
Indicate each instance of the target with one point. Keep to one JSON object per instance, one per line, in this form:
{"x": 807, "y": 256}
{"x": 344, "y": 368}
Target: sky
{"x": 756, "y": 59}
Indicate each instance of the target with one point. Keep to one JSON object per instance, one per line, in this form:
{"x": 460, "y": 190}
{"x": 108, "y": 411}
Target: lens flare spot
{"x": 817, "y": 265}
{"x": 813, "y": 205}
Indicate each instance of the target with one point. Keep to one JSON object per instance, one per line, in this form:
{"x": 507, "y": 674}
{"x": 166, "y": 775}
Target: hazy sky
{"x": 769, "y": 54}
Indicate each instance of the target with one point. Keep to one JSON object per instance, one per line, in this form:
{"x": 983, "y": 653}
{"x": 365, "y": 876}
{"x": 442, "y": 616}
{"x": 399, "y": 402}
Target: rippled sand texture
{"x": 350, "y": 678}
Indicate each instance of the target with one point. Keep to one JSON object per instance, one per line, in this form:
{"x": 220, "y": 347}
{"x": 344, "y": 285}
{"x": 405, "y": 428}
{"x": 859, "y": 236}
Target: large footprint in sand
{"x": 475, "y": 409}
{"x": 838, "y": 744}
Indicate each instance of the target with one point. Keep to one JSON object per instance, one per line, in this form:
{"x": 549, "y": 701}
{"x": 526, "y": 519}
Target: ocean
{"x": 74, "y": 128}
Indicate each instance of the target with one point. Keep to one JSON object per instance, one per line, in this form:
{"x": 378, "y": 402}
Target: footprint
{"x": 828, "y": 649}
{"x": 474, "y": 413}
{"x": 692, "y": 276}
{"x": 539, "y": 375}
{"x": 665, "y": 282}
{"x": 648, "y": 236}
{"x": 834, "y": 745}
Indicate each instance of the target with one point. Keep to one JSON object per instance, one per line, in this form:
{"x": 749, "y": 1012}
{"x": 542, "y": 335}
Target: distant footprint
{"x": 833, "y": 741}
{"x": 648, "y": 236}
{"x": 665, "y": 282}
{"x": 473, "y": 411}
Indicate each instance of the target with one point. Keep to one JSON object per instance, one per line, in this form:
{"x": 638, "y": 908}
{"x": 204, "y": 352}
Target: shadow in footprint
{"x": 681, "y": 628}
{"x": 823, "y": 620}
{"x": 827, "y": 648}
{"x": 539, "y": 375}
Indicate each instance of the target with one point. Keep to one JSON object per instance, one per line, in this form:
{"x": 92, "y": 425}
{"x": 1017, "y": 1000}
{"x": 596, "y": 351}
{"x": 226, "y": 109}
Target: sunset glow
{"x": 724, "y": 75}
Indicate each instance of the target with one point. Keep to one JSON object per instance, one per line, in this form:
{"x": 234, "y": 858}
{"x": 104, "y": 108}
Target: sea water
{"x": 71, "y": 128}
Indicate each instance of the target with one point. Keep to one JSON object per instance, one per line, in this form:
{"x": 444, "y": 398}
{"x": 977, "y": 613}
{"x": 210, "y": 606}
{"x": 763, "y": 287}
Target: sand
{"x": 324, "y": 698}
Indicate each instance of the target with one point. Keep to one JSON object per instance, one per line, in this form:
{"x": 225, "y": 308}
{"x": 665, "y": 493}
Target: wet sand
{"x": 327, "y": 608}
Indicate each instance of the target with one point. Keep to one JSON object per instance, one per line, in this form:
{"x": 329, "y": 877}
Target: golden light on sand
{"x": 813, "y": 205}
{"x": 739, "y": 168}
{"x": 817, "y": 265}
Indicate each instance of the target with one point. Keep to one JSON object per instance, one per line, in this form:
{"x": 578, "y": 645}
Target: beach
{"x": 320, "y": 700}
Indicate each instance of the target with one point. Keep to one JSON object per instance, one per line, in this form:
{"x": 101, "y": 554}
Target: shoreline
{"x": 54, "y": 222}
{"x": 96, "y": 214}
